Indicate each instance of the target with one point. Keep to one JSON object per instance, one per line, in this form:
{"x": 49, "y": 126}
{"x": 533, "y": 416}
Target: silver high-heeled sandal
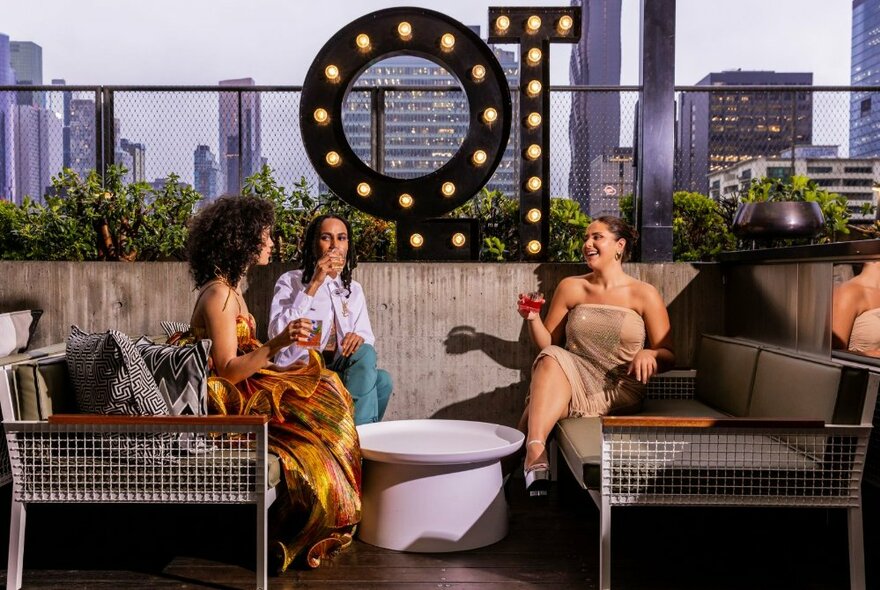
{"x": 537, "y": 475}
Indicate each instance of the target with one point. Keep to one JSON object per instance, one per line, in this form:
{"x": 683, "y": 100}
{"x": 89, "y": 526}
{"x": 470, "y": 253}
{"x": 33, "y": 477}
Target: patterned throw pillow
{"x": 170, "y": 328}
{"x": 110, "y": 377}
{"x": 16, "y": 330}
{"x": 181, "y": 372}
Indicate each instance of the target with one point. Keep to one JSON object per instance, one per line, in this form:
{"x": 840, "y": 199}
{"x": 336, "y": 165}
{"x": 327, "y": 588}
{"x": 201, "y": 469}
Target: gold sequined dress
{"x": 600, "y": 342}
{"x": 865, "y": 334}
{"x": 313, "y": 433}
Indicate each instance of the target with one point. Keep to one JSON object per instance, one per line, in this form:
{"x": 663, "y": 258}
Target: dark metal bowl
{"x": 778, "y": 219}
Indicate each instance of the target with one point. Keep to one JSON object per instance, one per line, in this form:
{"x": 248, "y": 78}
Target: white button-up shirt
{"x": 329, "y": 304}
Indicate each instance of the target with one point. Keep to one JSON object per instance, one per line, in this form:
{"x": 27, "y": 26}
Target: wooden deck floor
{"x": 552, "y": 544}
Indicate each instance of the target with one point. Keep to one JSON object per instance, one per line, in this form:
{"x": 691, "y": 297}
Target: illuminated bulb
{"x": 333, "y": 158}
{"x": 534, "y": 56}
{"x": 534, "y": 183}
{"x": 534, "y": 215}
{"x": 448, "y": 189}
{"x": 332, "y": 72}
{"x": 565, "y": 24}
{"x": 534, "y": 23}
{"x": 406, "y": 201}
{"x": 490, "y": 115}
{"x": 362, "y": 41}
{"x": 404, "y": 29}
{"x": 364, "y": 189}
{"x": 416, "y": 240}
{"x": 321, "y": 115}
{"x": 458, "y": 239}
{"x": 533, "y": 120}
{"x": 502, "y": 23}
{"x": 447, "y": 41}
{"x": 478, "y": 72}
{"x": 479, "y": 158}
{"x": 534, "y": 247}
{"x": 534, "y": 88}
{"x": 533, "y": 152}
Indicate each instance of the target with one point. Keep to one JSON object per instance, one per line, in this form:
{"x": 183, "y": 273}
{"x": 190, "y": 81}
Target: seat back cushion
{"x": 788, "y": 386}
{"x": 43, "y": 388}
{"x": 725, "y": 373}
{"x": 110, "y": 376}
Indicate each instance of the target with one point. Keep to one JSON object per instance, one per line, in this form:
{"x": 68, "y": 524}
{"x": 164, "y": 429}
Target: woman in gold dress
{"x": 602, "y": 318}
{"x": 312, "y": 426}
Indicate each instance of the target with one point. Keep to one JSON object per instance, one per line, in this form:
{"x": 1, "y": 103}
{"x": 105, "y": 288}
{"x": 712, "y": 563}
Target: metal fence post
{"x": 240, "y": 145}
{"x": 109, "y": 140}
{"x": 656, "y": 147}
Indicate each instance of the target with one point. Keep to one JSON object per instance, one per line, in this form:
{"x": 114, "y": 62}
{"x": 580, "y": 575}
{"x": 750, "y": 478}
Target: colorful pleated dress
{"x": 312, "y": 431}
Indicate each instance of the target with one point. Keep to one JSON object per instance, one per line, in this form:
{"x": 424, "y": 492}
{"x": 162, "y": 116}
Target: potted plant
{"x": 773, "y": 208}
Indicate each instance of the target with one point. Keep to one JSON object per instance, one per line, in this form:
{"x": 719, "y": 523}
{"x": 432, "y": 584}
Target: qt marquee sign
{"x": 412, "y": 203}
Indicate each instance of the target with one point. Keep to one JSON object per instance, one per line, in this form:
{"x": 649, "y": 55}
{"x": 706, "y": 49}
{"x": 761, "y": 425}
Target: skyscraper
{"x": 718, "y": 129}
{"x": 26, "y": 59}
{"x": 7, "y": 124}
{"x": 83, "y": 136}
{"x": 136, "y": 164}
{"x": 205, "y": 172}
{"x": 594, "y": 121}
{"x": 59, "y": 102}
{"x": 37, "y": 151}
{"x": 423, "y": 129}
{"x": 864, "y": 112}
{"x": 237, "y": 164}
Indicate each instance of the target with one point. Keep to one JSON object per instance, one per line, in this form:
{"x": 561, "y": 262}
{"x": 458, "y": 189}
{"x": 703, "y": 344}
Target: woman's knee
{"x": 364, "y": 354}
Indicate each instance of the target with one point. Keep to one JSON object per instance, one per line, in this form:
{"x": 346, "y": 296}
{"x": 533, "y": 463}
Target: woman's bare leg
{"x": 549, "y": 397}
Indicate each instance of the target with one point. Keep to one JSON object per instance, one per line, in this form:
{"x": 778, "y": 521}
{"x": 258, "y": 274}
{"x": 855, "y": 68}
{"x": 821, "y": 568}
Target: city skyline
{"x": 76, "y": 47}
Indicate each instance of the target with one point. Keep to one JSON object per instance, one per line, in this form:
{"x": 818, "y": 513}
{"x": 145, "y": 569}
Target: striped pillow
{"x": 181, "y": 373}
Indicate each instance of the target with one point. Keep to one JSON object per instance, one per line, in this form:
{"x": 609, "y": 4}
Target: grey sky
{"x": 274, "y": 41}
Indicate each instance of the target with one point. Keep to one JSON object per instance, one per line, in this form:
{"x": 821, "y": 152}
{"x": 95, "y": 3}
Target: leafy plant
{"x": 294, "y": 210}
{"x": 700, "y": 228}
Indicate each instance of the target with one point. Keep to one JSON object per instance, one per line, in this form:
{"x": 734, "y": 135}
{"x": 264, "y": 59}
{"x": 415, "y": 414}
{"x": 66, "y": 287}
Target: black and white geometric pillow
{"x": 110, "y": 377}
{"x": 181, "y": 373}
{"x": 170, "y": 328}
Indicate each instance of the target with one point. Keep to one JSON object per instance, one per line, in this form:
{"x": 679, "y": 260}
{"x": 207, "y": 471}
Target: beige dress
{"x": 600, "y": 342}
{"x": 865, "y": 334}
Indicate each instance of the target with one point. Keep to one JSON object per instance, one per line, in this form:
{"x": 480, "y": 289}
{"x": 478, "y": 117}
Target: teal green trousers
{"x": 370, "y": 387}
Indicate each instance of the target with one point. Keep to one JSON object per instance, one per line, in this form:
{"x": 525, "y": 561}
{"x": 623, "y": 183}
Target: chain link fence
{"x": 213, "y": 138}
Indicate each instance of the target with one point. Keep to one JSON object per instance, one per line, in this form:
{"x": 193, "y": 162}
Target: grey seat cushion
{"x": 725, "y": 373}
{"x": 794, "y": 387}
{"x": 580, "y": 439}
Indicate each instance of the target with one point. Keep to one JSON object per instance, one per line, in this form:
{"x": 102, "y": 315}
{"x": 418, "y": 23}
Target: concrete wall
{"x": 448, "y": 332}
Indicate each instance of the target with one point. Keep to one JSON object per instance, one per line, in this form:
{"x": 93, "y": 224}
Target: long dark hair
{"x": 226, "y": 236}
{"x": 621, "y": 229}
{"x": 310, "y": 250}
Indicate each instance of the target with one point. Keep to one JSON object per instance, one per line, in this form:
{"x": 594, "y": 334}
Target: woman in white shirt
{"x": 323, "y": 290}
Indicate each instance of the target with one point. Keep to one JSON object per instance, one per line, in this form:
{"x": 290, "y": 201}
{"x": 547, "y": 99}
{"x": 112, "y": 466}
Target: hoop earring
{"x": 618, "y": 255}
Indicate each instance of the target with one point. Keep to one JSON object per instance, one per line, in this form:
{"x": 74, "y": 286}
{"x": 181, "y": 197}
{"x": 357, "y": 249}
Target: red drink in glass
{"x": 314, "y": 339}
{"x": 531, "y": 302}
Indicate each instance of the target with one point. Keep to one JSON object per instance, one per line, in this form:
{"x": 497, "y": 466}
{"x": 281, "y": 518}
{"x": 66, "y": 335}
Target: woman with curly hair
{"x": 322, "y": 290}
{"x": 311, "y": 428}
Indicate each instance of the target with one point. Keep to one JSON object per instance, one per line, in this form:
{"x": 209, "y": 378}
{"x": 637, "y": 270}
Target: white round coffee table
{"x": 434, "y": 485}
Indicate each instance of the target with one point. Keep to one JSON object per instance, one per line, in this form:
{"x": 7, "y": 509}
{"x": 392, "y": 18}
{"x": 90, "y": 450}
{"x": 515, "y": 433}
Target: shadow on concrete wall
{"x": 503, "y": 404}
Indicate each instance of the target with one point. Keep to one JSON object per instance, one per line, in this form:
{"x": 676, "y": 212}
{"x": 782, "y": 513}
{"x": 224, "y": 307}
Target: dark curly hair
{"x": 225, "y": 238}
{"x": 310, "y": 250}
{"x": 621, "y": 229}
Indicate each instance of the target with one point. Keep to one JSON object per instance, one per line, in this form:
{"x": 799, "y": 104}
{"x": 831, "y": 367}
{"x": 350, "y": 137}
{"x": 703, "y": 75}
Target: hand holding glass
{"x": 314, "y": 338}
{"x": 531, "y": 302}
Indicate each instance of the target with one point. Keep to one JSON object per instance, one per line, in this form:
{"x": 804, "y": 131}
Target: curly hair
{"x": 226, "y": 236}
{"x": 621, "y": 229}
{"x": 310, "y": 250}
